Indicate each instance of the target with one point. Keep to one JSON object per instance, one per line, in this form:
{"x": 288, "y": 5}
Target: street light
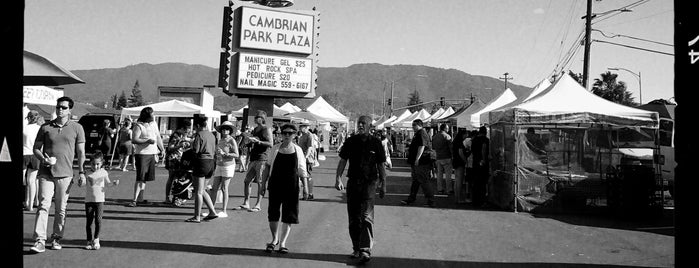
{"x": 394, "y": 81}
{"x": 638, "y": 76}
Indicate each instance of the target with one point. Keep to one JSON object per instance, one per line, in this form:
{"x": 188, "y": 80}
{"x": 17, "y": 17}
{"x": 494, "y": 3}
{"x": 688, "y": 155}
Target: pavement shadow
{"x": 662, "y": 225}
{"x": 112, "y": 212}
{"x": 376, "y": 261}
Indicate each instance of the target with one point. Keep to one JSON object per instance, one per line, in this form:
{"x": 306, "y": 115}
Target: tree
{"x": 609, "y": 89}
{"x": 577, "y": 77}
{"x": 413, "y": 99}
{"x": 114, "y": 99}
{"x": 122, "y": 101}
{"x": 136, "y": 98}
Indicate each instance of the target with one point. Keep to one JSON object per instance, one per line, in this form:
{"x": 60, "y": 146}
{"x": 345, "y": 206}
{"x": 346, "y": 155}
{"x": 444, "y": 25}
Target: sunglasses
{"x": 288, "y": 133}
{"x": 62, "y": 107}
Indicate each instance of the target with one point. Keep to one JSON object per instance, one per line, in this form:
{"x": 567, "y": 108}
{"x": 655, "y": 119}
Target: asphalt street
{"x": 450, "y": 235}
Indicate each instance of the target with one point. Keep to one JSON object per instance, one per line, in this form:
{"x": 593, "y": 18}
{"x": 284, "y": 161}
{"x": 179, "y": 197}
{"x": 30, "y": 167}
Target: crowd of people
{"x": 282, "y": 170}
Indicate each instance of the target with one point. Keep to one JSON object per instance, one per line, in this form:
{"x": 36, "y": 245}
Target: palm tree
{"x": 611, "y": 89}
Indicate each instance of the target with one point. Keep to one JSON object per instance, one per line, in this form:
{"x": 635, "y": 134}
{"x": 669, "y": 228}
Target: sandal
{"x": 241, "y": 207}
{"x": 132, "y": 204}
{"x": 210, "y": 217}
{"x": 283, "y": 250}
{"x": 255, "y": 209}
{"x": 193, "y": 219}
{"x": 270, "y": 247}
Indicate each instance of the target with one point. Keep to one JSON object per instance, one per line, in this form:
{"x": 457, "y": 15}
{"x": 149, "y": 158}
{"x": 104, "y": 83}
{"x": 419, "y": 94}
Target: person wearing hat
{"x": 306, "y": 143}
{"x": 226, "y": 153}
{"x": 365, "y": 174}
{"x": 258, "y": 169}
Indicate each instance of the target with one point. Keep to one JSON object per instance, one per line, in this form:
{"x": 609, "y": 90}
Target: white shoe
{"x": 222, "y": 214}
{"x": 89, "y": 246}
{"x": 204, "y": 214}
{"x": 96, "y": 244}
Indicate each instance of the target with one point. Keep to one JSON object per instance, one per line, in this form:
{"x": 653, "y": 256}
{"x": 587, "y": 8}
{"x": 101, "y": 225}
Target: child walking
{"x": 94, "y": 199}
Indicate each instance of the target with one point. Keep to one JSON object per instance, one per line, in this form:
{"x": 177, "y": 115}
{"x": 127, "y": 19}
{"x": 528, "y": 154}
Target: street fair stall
{"x": 167, "y": 113}
{"x": 503, "y": 99}
{"x": 563, "y": 148}
{"x": 463, "y": 115}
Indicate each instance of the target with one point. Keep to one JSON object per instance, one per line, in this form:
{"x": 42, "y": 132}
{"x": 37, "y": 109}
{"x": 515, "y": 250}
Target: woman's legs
{"x": 224, "y": 182}
{"x": 216, "y": 185}
{"x": 30, "y": 175}
{"x": 139, "y": 188}
{"x": 274, "y": 229}
{"x": 168, "y": 185}
{"x": 202, "y": 195}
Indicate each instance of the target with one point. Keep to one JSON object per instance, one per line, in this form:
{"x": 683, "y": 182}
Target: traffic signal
{"x": 441, "y": 101}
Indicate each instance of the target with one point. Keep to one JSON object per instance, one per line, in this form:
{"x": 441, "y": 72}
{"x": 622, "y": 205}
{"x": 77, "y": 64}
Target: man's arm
{"x": 268, "y": 136}
{"x": 80, "y": 150}
{"x": 420, "y": 150}
{"x": 338, "y": 174}
{"x": 38, "y": 145}
{"x": 136, "y": 139}
{"x": 382, "y": 179}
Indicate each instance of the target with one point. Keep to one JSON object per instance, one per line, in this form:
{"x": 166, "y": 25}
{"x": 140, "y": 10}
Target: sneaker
{"x": 364, "y": 257}
{"x": 56, "y": 245}
{"x": 89, "y": 246}
{"x": 222, "y": 214}
{"x": 96, "y": 244}
{"x": 430, "y": 204}
{"x": 38, "y": 247}
{"x": 355, "y": 254}
{"x": 406, "y": 202}
{"x": 204, "y": 214}
{"x": 310, "y": 197}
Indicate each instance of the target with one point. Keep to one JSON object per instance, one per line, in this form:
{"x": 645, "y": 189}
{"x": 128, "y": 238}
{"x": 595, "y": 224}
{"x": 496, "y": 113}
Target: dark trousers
{"x": 93, "y": 211}
{"x": 360, "y": 212}
{"x": 480, "y": 180}
{"x": 420, "y": 175}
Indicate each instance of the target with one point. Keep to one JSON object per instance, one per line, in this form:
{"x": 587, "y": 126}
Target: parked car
{"x": 92, "y": 123}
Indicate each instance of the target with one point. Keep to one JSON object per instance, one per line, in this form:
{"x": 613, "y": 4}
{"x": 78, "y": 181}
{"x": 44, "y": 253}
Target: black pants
{"x": 360, "y": 213}
{"x": 93, "y": 211}
{"x": 480, "y": 180}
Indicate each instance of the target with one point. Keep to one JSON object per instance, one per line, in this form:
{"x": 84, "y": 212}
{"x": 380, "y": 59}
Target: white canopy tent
{"x": 449, "y": 111}
{"x": 435, "y": 115}
{"x": 406, "y": 113}
{"x": 381, "y": 124}
{"x": 506, "y": 97}
{"x": 461, "y": 117}
{"x": 172, "y": 108}
{"x": 290, "y": 108}
{"x": 324, "y": 109}
{"x": 408, "y": 121}
{"x": 485, "y": 117}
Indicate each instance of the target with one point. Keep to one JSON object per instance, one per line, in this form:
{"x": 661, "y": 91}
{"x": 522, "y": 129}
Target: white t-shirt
{"x": 94, "y": 189}
{"x": 148, "y": 130}
{"x": 29, "y": 136}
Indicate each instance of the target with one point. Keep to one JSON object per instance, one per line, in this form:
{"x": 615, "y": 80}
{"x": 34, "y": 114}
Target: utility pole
{"x": 588, "y": 31}
{"x": 506, "y": 78}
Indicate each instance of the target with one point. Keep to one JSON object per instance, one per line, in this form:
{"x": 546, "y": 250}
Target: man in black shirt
{"x": 366, "y": 172}
{"x": 481, "y": 166}
{"x": 420, "y": 164}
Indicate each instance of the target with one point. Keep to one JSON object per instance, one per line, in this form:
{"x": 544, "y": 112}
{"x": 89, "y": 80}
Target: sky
{"x": 527, "y": 39}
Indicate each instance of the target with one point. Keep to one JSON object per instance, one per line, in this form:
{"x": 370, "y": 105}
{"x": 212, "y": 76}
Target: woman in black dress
{"x": 287, "y": 164}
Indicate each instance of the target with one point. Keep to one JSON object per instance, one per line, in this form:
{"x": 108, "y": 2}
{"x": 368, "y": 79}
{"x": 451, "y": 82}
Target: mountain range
{"x": 356, "y": 89}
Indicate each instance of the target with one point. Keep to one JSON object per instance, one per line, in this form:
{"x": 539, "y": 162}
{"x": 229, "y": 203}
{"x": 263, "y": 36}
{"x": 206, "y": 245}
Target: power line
{"x": 642, "y": 18}
{"x": 639, "y": 48}
{"x": 631, "y": 37}
{"x": 609, "y": 14}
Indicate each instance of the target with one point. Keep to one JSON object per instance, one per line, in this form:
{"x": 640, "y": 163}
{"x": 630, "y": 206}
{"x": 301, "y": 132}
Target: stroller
{"x": 182, "y": 185}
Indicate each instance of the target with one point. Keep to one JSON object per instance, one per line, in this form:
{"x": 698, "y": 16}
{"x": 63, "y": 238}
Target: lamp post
{"x": 393, "y": 83}
{"x": 638, "y": 76}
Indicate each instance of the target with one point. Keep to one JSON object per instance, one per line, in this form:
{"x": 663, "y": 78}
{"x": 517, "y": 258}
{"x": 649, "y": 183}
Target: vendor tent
{"x": 171, "y": 108}
{"x": 290, "y": 108}
{"x": 504, "y": 98}
{"x": 449, "y": 111}
{"x": 561, "y": 149}
{"x": 435, "y": 115}
{"x": 324, "y": 109}
{"x": 406, "y": 113}
{"x": 463, "y": 116}
{"x": 380, "y": 124}
{"x": 485, "y": 117}
{"x": 408, "y": 121}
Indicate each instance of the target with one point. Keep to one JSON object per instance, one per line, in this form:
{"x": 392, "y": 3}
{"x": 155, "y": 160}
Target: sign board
{"x": 41, "y": 95}
{"x": 276, "y": 31}
{"x": 266, "y": 72}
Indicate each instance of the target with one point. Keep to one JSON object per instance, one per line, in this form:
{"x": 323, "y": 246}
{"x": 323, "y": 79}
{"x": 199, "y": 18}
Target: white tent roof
{"x": 290, "y": 108}
{"x": 406, "y": 113}
{"x": 506, "y": 97}
{"x": 380, "y": 124}
{"x": 435, "y": 115}
{"x": 485, "y": 117}
{"x": 449, "y": 111}
{"x": 566, "y": 101}
{"x": 408, "y": 121}
{"x": 323, "y": 108}
{"x": 171, "y": 108}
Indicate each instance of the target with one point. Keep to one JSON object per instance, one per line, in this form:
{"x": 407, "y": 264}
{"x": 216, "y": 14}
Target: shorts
{"x": 30, "y": 162}
{"x": 257, "y": 171}
{"x": 126, "y": 148}
{"x": 289, "y": 204}
{"x": 203, "y": 168}
{"x": 224, "y": 171}
{"x": 145, "y": 167}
